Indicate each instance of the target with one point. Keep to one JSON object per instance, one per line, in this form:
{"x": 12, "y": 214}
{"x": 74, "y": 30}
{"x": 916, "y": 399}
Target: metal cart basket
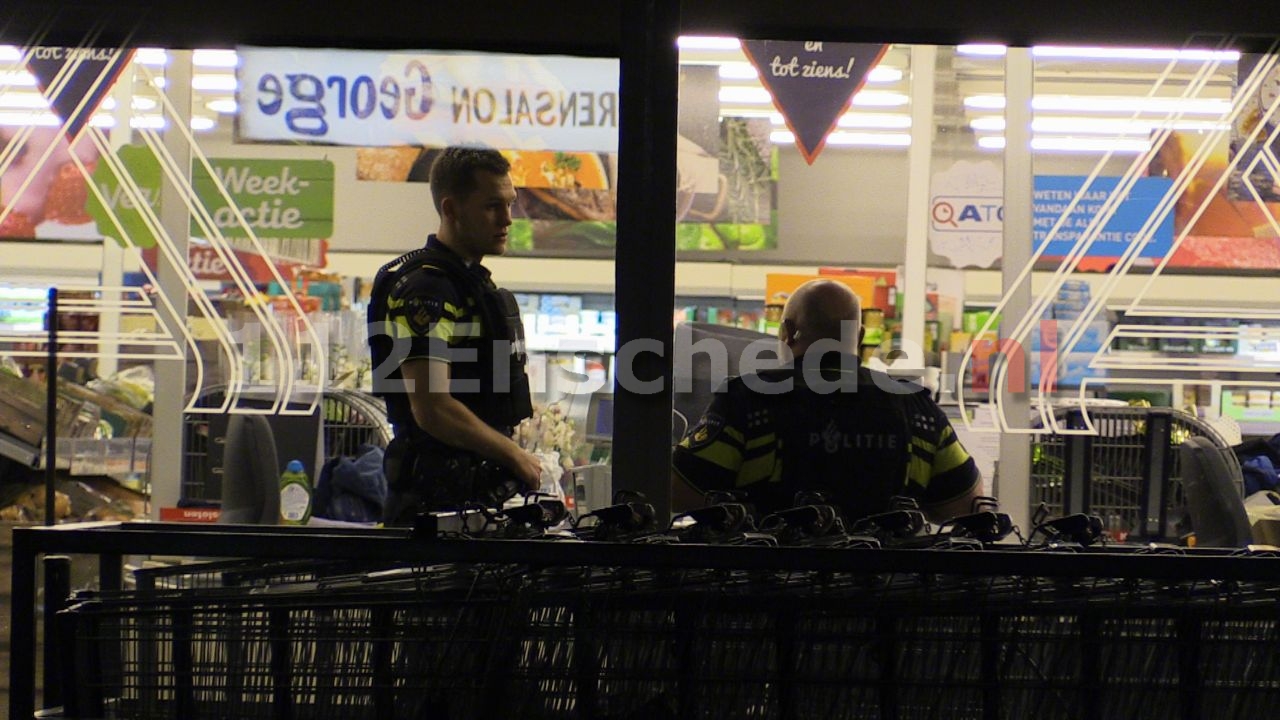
{"x": 1128, "y": 473}
{"x": 349, "y": 419}
{"x": 612, "y": 639}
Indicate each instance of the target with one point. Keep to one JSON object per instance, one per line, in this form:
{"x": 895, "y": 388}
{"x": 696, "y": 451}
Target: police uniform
{"x": 430, "y": 304}
{"x": 839, "y": 432}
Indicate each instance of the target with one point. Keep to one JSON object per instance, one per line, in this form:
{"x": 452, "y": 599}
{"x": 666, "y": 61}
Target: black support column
{"x": 645, "y": 267}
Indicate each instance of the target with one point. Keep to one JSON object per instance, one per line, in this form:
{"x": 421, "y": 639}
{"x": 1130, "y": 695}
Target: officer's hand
{"x": 528, "y": 469}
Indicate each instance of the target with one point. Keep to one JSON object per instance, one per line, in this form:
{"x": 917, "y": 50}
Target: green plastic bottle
{"x": 295, "y": 495}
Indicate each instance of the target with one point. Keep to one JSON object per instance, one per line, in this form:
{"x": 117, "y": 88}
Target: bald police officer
{"x": 823, "y": 423}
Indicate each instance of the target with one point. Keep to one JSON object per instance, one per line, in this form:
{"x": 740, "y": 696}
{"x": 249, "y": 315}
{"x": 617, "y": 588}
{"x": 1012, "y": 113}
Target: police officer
{"x": 824, "y": 423}
{"x": 447, "y": 347}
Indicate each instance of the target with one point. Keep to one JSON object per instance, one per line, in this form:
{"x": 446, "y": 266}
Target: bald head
{"x": 820, "y": 310}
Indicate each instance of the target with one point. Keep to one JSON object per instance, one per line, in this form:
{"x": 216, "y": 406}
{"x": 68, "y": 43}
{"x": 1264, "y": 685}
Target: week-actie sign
{"x": 812, "y": 83}
{"x": 371, "y": 98}
{"x": 287, "y": 203}
{"x": 75, "y": 79}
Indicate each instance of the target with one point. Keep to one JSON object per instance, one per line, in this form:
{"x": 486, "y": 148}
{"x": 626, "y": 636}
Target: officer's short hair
{"x": 454, "y": 171}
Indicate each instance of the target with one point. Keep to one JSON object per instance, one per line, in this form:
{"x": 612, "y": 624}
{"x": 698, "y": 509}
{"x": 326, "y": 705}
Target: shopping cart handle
{"x": 1078, "y": 528}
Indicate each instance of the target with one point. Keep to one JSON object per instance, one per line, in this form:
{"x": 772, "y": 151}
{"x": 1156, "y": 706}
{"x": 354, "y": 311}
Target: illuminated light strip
{"x": 1109, "y": 104}
{"x": 1073, "y": 144}
{"x": 1116, "y": 53}
{"x": 100, "y": 120}
{"x": 217, "y": 83}
{"x": 224, "y": 106}
{"x": 156, "y": 57}
{"x": 785, "y": 137}
{"x": 707, "y": 42}
{"x": 1097, "y": 125}
{"x": 17, "y": 78}
{"x": 214, "y": 58}
{"x": 1104, "y": 53}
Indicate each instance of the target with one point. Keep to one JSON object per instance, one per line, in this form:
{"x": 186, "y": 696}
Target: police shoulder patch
{"x": 706, "y": 431}
{"x": 423, "y": 313}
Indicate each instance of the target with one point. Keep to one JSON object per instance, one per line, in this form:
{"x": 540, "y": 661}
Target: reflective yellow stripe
{"x": 756, "y": 470}
{"x": 949, "y": 458}
{"x": 733, "y": 434}
{"x": 721, "y": 454}
{"x": 918, "y": 471}
{"x": 924, "y": 445}
{"x": 762, "y": 440}
{"x": 454, "y": 310}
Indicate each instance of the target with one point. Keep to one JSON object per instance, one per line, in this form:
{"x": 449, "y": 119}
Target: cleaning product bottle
{"x": 295, "y": 495}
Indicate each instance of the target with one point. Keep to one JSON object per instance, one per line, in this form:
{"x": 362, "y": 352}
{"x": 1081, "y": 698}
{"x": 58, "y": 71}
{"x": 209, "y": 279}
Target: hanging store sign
{"x": 287, "y": 203}
{"x": 75, "y": 79}
{"x": 371, "y": 98}
{"x": 812, "y": 83}
{"x": 966, "y": 215}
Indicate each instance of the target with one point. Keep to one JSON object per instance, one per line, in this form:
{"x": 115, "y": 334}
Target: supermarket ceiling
{"x": 593, "y": 27}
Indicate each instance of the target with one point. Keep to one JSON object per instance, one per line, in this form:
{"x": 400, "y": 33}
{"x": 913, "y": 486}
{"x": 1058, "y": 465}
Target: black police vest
{"x": 503, "y": 398}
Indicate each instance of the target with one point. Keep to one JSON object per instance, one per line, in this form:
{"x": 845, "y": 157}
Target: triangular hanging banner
{"x": 812, "y": 83}
{"x": 76, "y": 93}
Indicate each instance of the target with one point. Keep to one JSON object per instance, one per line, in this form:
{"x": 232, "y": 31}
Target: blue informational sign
{"x": 1053, "y": 195}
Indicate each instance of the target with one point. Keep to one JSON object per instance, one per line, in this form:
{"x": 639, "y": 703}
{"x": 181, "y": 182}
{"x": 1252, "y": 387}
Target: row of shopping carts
{"x": 724, "y": 632}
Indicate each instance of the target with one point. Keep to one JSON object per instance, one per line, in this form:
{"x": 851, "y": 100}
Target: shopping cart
{"x": 618, "y": 639}
{"x": 1127, "y": 472}
{"x": 349, "y": 419}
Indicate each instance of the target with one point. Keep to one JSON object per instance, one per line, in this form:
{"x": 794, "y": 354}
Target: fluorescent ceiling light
{"x": 215, "y": 58}
{"x": 785, "y": 137}
{"x": 880, "y": 98}
{"x": 742, "y": 112}
{"x": 223, "y": 83}
{"x": 226, "y": 106}
{"x": 17, "y": 79}
{"x": 879, "y": 121}
{"x": 884, "y": 74}
{"x": 1122, "y": 53}
{"x": 10, "y": 53}
{"x": 1101, "y": 126}
{"x": 21, "y": 119}
{"x": 151, "y": 56}
{"x": 23, "y": 101}
{"x": 199, "y": 123}
{"x": 1109, "y": 103}
{"x": 1102, "y": 53}
{"x": 707, "y": 42}
{"x": 1073, "y": 144}
{"x": 137, "y": 103}
{"x": 981, "y": 50}
{"x": 738, "y": 71}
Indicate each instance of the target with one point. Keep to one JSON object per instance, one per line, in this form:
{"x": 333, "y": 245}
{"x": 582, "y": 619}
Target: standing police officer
{"x": 825, "y": 424}
{"x": 447, "y": 347}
